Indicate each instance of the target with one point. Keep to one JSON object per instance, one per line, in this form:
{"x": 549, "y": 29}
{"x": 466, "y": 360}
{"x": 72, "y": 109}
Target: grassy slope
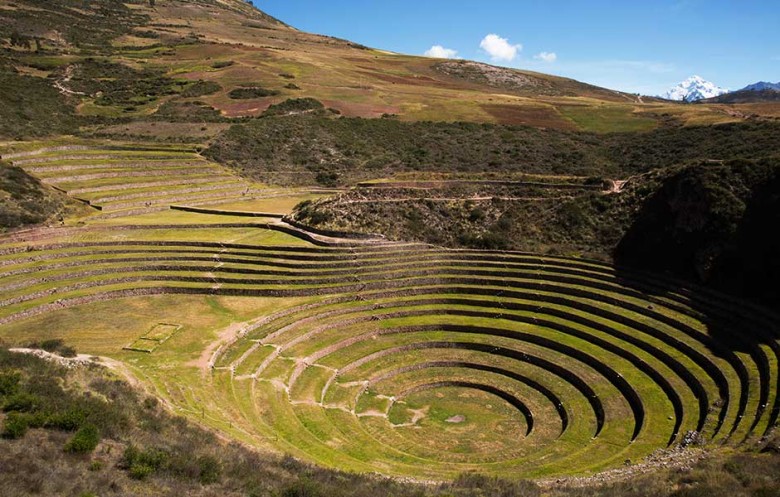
{"x": 144, "y": 450}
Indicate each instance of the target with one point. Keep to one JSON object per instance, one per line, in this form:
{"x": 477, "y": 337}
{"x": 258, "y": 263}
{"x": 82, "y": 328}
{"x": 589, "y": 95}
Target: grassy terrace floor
{"x": 403, "y": 359}
{"x": 124, "y": 178}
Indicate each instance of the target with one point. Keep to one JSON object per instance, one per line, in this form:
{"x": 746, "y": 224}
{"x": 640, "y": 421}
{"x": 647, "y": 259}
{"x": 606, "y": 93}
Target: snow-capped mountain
{"x": 761, "y": 86}
{"x": 693, "y": 89}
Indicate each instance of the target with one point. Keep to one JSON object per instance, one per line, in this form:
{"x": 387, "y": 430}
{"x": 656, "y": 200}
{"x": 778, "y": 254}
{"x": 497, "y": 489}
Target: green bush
{"x": 302, "y": 488}
{"x": 52, "y": 345}
{"x": 15, "y": 425}
{"x": 9, "y": 382}
{"x": 21, "y": 402}
{"x": 201, "y": 88}
{"x": 222, "y": 64}
{"x": 67, "y": 351}
{"x": 83, "y": 441}
{"x": 140, "y": 471}
{"x": 294, "y": 106}
{"x": 69, "y": 420}
{"x": 209, "y": 470}
{"x": 142, "y": 463}
{"x": 252, "y": 92}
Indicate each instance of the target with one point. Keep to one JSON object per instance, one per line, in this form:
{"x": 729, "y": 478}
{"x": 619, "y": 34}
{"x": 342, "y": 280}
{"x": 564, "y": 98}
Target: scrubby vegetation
{"x": 706, "y": 222}
{"x": 24, "y": 200}
{"x": 114, "y": 84}
{"x": 251, "y": 92}
{"x": 201, "y": 88}
{"x": 186, "y": 112}
{"x": 31, "y": 107}
{"x": 713, "y": 223}
{"x": 294, "y": 106}
{"x": 84, "y": 23}
{"x": 297, "y": 149}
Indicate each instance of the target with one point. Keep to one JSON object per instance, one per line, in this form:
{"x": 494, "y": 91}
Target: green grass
{"x": 341, "y": 381}
{"x": 321, "y": 435}
{"x": 608, "y": 119}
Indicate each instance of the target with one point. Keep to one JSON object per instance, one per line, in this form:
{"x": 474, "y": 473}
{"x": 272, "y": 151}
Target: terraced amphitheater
{"x": 124, "y": 179}
{"x": 403, "y": 359}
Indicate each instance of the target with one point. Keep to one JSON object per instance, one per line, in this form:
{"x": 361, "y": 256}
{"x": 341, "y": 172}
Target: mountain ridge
{"x": 762, "y": 85}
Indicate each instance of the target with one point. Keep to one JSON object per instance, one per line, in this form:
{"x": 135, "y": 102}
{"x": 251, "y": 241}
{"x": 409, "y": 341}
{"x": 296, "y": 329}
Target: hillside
{"x": 747, "y": 96}
{"x": 228, "y": 45}
{"x": 25, "y": 201}
{"x": 704, "y": 222}
{"x": 318, "y": 149}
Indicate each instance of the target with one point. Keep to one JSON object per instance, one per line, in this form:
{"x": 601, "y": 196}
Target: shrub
{"x": 210, "y": 470}
{"x": 69, "y": 420}
{"x": 66, "y": 351}
{"x": 21, "y": 402}
{"x": 83, "y": 441}
{"x": 52, "y": 345}
{"x": 301, "y": 488}
{"x": 140, "y": 471}
{"x": 201, "y": 88}
{"x": 294, "y": 106}
{"x": 222, "y": 64}
{"x": 15, "y": 426}
{"x": 9, "y": 382}
{"x": 141, "y": 464}
{"x": 251, "y": 92}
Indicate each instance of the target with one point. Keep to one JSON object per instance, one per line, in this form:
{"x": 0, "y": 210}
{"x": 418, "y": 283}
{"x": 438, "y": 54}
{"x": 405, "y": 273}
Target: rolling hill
{"x": 229, "y": 45}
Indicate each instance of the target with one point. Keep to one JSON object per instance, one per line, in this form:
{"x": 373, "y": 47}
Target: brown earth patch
{"x": 198, "y": 75}
{"x": 544, "y": 117}
{"x": 426, "y": 81}
{"x": 354, "y": 109}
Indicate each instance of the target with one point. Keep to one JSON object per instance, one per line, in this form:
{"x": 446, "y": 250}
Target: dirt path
{"x": 60, "y": 84}
{"x": 209, "y": 355}
{"x": 450, "y": 199}
{"x": 617, "y": 185}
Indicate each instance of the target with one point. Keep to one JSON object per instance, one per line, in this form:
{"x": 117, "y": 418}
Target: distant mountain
{"x": 761, "y": 86}
{"x": 693, "y": 89}
{"x": 745, "y": 97}
{"x": 757, "y": 92}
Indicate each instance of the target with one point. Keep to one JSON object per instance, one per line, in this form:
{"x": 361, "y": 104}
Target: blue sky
{"x": 643, "y": 46}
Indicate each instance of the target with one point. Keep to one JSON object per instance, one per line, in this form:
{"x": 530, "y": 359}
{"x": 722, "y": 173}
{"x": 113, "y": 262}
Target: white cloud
{"x": 439, "y": 52}
{"x": 548, "y": 57}
{"x": 499, "y": 49}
